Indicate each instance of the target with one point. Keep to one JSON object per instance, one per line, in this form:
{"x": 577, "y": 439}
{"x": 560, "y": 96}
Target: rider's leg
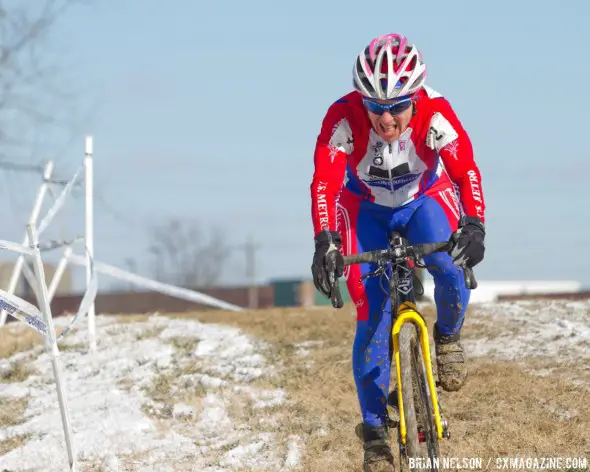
{"x": 363, "y": 230}
{"x": 363, "y": 227}
{"x": 434, "y": 220}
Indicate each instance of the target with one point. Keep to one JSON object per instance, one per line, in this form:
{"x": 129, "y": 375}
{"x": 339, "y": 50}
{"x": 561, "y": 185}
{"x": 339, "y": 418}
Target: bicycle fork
{"x": 408, "y": 313}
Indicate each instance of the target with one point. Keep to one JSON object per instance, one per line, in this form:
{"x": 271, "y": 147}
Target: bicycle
{"x": 421, "y": 422}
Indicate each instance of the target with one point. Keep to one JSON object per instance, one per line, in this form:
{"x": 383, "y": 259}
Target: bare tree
{"x": 185, "y": 254}
{"x": 30, "y": 99}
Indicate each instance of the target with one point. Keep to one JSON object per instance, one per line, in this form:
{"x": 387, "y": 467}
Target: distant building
{"x": 23, "y": 289}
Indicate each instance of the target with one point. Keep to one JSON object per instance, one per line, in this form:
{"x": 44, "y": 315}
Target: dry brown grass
{"x": 501, "y": 411}
{"x": 16, "y": 372}
{"x": 12, "y": 413}
{"x": 162, "y": 391}
{"x": 505, "y": 409}
{"x": 16, "y": 337}
{"x": 8, "y": 445}
{"x": 162, "y": 398}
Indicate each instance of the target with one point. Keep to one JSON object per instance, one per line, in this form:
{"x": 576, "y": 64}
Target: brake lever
{"x": 378, "y": 271}
{"x": 470, "y": 281}
{"x": 335, "y": 295}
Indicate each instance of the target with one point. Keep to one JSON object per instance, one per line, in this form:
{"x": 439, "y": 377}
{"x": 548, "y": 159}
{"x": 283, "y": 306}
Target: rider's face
{"x": 390, "y": 127}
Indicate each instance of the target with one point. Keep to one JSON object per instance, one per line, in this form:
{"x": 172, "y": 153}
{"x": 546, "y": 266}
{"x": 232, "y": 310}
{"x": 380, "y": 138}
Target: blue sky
{"x": 210, "y": 110}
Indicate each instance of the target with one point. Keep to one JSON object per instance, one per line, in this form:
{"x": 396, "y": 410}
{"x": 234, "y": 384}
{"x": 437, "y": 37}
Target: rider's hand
{"x": 468, "y": 248}
{"x": 327, "y": 261}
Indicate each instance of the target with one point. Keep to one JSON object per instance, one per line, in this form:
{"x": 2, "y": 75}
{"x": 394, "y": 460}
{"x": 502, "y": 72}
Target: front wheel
{"x": 421, "y": 434}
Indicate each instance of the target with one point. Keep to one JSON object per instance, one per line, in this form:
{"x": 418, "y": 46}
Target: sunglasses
{"x": 394, "y": 108}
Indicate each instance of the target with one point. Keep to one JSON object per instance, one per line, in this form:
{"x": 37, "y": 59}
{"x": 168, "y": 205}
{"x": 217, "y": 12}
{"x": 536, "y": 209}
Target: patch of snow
{"x": 301, "y": 352}
{"x": 108, "y": 396}
{"x": 203, "y": 380}
{"x": 322, "y": 432}
{"x": 557, "y": 329}
{"x": 304, "y": 344}
{"x": 180, "y": 410}
{"x": 256, "y": 453}
{"x": 303, "y": 349}
{"x": 293, "y": 452}
{"x": 264, "y": 398}
{"x": 230, "y": 353}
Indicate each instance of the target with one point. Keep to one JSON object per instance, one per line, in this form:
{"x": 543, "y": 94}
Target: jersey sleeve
{"x": 334, "y": 143}
{"x": 448, "y": 138}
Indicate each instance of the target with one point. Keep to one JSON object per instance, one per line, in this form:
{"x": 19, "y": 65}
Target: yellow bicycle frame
{"x": 407, "y": 313}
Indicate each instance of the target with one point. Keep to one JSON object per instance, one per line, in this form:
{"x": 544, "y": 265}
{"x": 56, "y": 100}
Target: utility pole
{"x": 250, "y": 249}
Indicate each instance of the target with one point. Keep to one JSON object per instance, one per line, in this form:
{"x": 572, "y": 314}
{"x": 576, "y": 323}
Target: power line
{"x": 31, "y": 169}
{"x": 19, "y": 167}
{"x": 250, "y": 247}
{"x": 123, "y": 217}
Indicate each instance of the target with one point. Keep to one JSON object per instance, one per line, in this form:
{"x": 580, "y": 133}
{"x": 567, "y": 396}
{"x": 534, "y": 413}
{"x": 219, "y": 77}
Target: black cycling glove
{"x": 468, "y": 248}
{"x": 328, "y": 263}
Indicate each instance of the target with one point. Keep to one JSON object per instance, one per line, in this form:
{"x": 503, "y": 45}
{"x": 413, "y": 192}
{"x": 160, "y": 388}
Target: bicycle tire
{"x": 425, "y": 409}
{"x": 407, "y": 337}
{"x": 417, "y": 402}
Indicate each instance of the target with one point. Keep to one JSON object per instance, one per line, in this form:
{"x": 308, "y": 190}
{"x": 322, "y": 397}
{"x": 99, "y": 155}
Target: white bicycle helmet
{"x": 389, "y": 67}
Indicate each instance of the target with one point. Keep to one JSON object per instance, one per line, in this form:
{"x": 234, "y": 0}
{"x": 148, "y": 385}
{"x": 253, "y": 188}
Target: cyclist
{"x": 392, "y": 155}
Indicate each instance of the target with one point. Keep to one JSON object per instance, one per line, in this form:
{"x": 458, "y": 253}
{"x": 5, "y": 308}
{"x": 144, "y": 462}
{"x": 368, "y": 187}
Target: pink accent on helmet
{"x": 404, "y": 75}
{"x": 385, "y": 39}
{"x": 401, "y": 50}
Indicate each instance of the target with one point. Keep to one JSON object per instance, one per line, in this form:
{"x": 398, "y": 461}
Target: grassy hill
{"x": 272, "y": 390}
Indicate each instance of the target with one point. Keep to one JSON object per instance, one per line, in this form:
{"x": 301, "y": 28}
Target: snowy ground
{"x": 180, "y": 395}
{"x": 559, "y": 329}
{"x": 118, "y": 425}
{"x": 545, "y": 337}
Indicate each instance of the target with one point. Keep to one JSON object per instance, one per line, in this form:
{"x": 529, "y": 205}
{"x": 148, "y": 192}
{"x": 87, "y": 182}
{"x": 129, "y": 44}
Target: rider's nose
{"x": 387, "y": 118}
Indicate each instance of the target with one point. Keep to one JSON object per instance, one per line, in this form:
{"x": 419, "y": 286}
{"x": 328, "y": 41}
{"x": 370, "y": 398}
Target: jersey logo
{"x": 397, "y": 171}
{"x": 440, "y": 133}
{"x": 453, "y": 149}
{"x": 341, "y": 139}
{"x": 395, "y": 178}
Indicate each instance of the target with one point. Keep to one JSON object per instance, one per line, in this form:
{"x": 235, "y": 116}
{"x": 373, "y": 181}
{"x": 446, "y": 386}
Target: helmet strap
{"x": 414, "y": 103}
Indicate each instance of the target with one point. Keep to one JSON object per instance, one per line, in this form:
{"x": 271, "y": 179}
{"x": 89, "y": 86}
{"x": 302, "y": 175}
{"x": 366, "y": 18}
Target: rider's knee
{"x": 441, "y": 267}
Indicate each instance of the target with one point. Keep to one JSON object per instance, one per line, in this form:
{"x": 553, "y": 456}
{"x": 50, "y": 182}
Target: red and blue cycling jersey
{"x": 349, "y": 153}
{"x": 418, "y": 185}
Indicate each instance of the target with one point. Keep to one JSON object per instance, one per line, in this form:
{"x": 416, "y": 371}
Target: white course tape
{"x": 16, "y": 247}
{"x": 58, "y": 243}
{"x": 59, "y": 202}
{"x": 168, "y": 289}
{"x": 86, "y": 302}
{"x": 23, "y": 311}
{"x": 32, "y": 316}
